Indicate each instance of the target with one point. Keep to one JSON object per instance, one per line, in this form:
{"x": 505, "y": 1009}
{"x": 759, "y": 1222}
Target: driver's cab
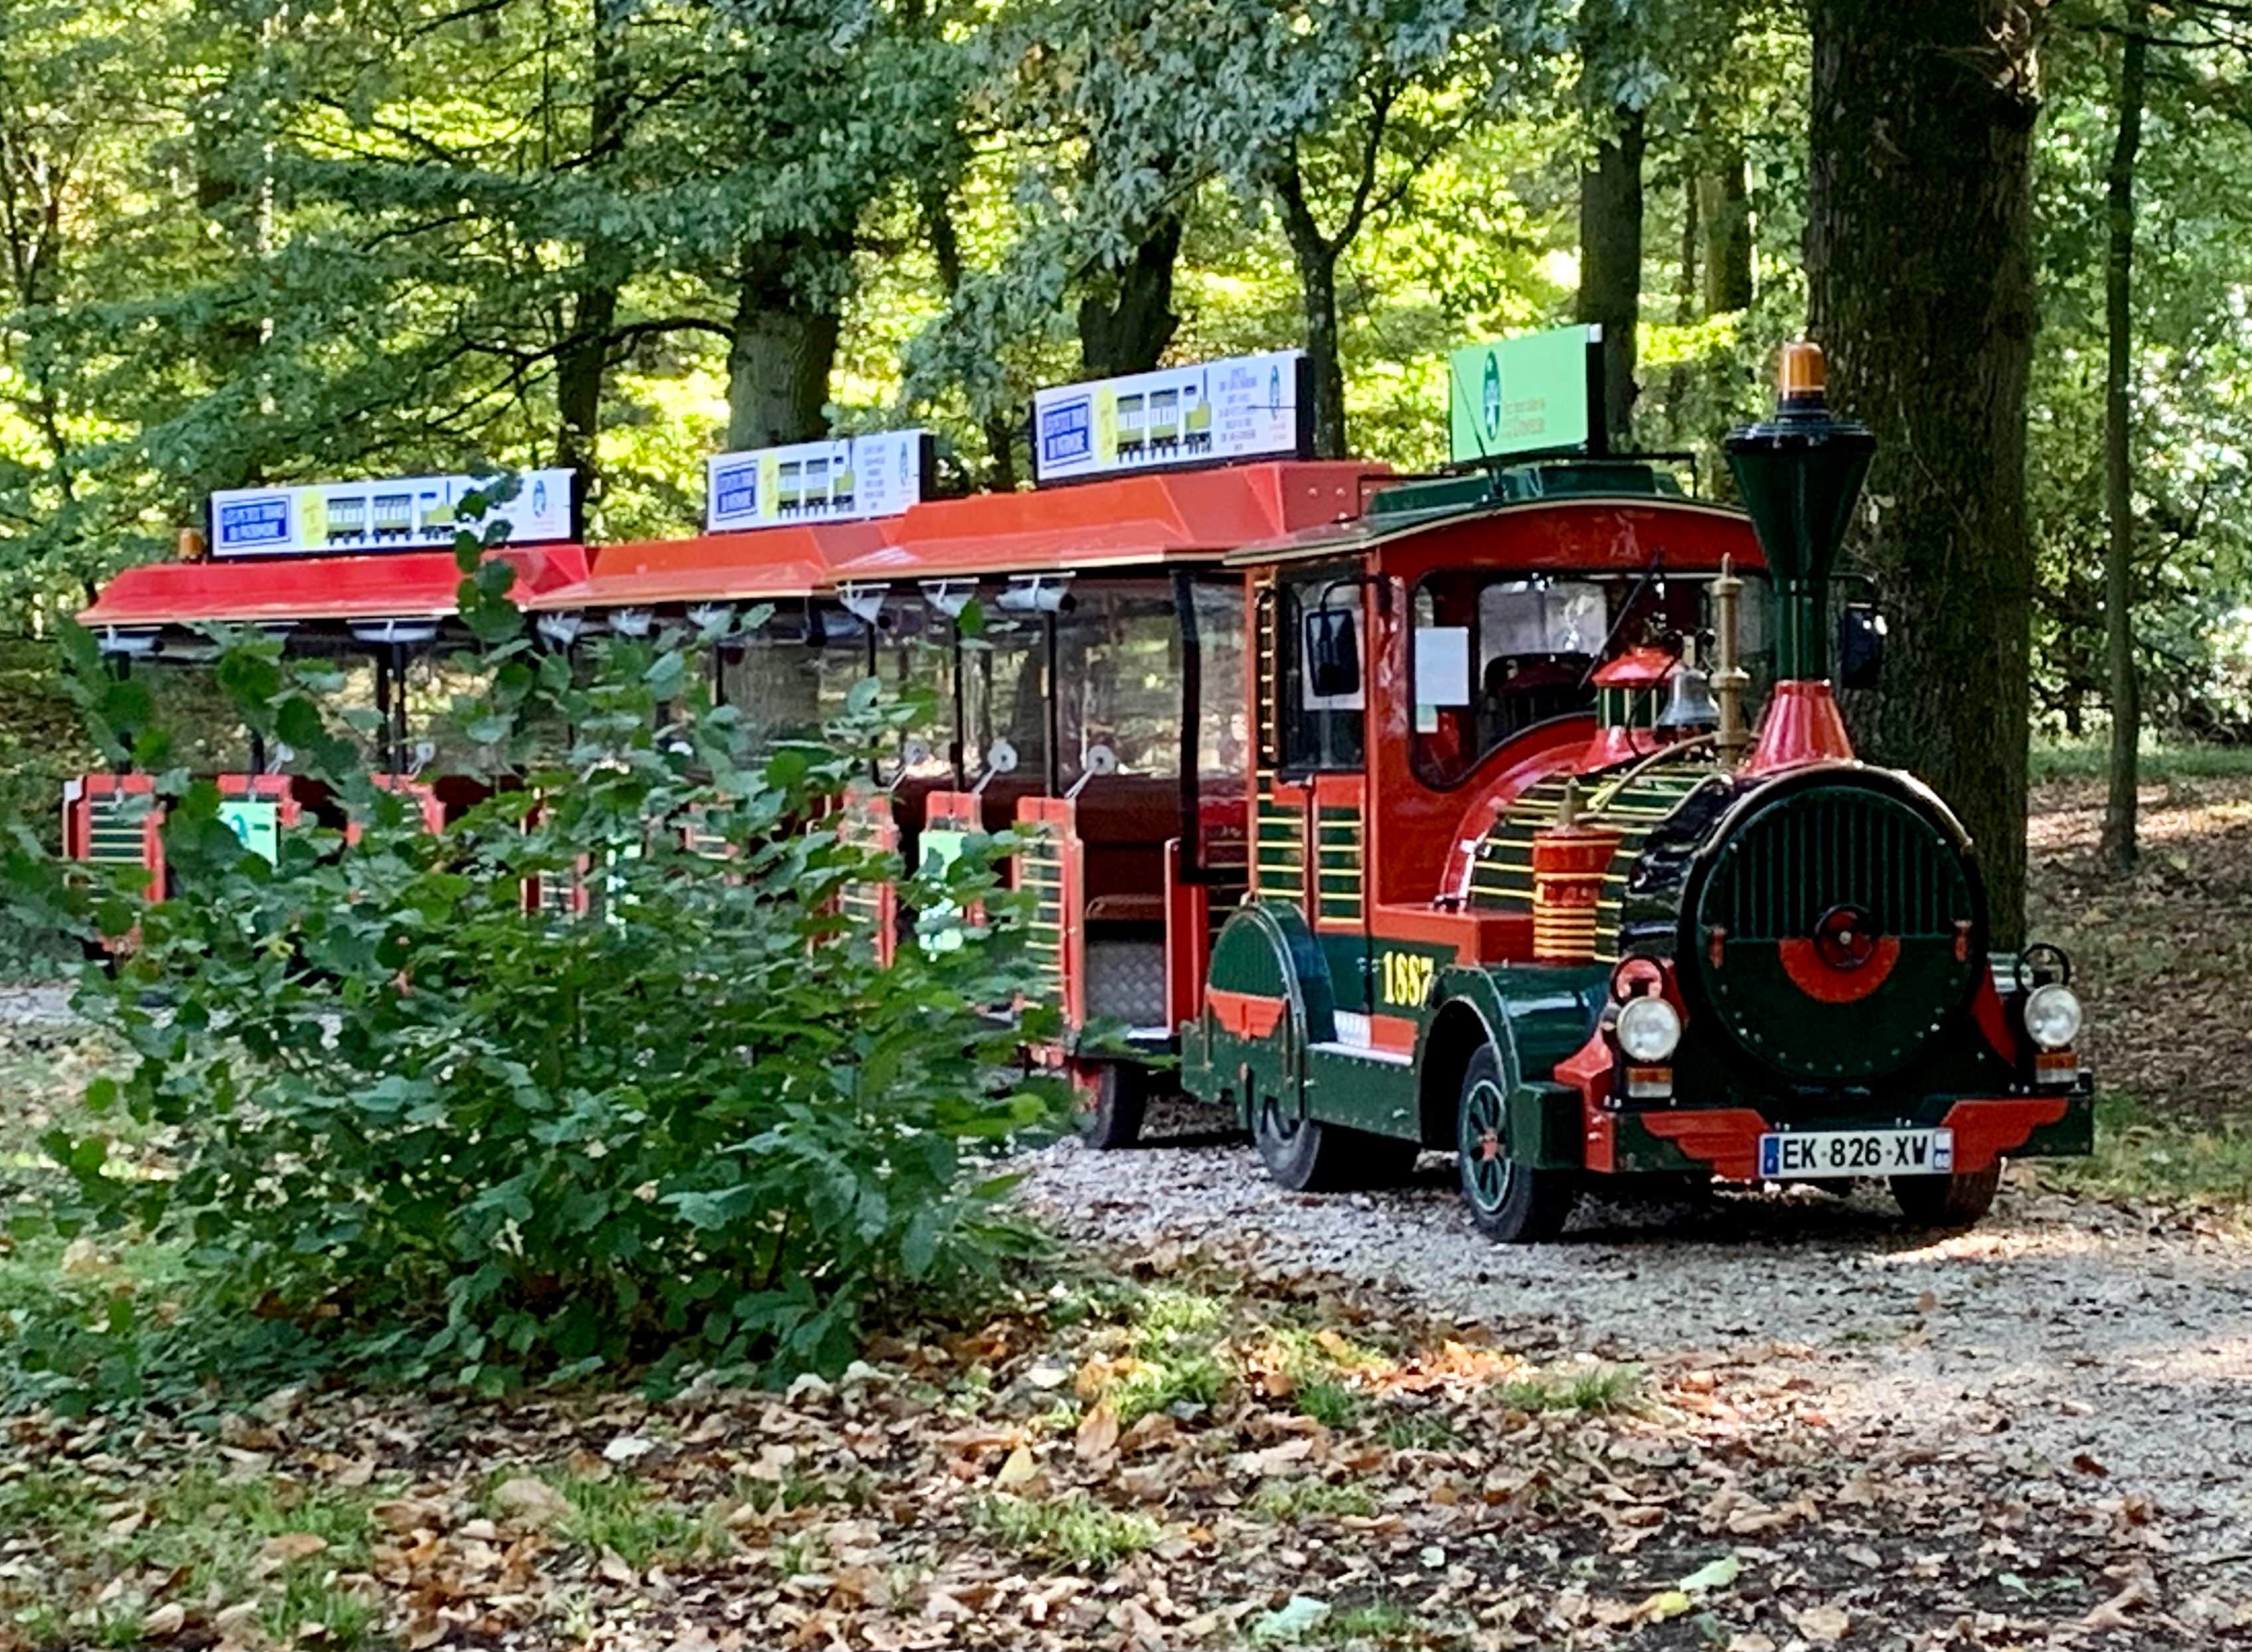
{"x": 1408, "y": 685}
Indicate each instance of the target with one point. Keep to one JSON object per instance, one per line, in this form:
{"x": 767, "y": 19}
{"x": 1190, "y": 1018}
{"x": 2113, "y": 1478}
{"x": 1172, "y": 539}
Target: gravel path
{"x": 35, "y": 1007}
{"x": 2118, "y": 1343}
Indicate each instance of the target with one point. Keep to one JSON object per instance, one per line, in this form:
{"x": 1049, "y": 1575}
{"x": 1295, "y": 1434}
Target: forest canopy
{"x": 246, "y": 241}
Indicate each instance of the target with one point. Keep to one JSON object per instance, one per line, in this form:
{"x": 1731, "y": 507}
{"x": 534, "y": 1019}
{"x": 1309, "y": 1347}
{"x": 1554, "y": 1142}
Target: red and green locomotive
{"x": 1645, "y": 943}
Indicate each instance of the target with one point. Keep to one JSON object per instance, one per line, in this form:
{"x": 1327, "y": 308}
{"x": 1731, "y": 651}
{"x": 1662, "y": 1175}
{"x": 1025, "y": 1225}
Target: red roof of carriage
{"x": 783, "y": 561}
{"x": 1121, "y": 522}
{"x": 407, "y": 585}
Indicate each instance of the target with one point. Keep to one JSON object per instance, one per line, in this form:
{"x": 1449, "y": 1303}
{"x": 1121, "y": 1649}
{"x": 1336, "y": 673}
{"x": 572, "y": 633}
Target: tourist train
{"x": 1506, "y": 813}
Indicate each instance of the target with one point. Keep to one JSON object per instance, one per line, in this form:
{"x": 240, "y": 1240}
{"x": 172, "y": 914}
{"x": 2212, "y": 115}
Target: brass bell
{"x": 1692, "y": 705}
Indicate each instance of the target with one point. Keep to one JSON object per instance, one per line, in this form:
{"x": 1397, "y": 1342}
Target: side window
{"x": 1121, "y": 674}
{"x": 1004, "y": 674}
{"x": 1223, "y": 730}
{"x": 1325, "y": 671}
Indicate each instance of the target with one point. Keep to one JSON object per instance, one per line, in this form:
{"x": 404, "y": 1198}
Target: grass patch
{"x": 1187, "y": 1377}
{"x": 623, "y": 1516}
{"x": 1166, "y": 1318}
{"x": 1071, "y": 1530}
{"x": 2141, "y": 1154}
{"x": 1371, "y": 1623}
{"x": 1312, "y": 1500}
{"x": 1596, "y": 1388}
{"x": 1175, "y": 1339}
{"x": 1419, "y": 1431}
{"x": 1321, "y": 1364}
{"x": 266, "y": 1542}
{"x": 1329, "y": 1402}
{"x": 2090, "y": 759}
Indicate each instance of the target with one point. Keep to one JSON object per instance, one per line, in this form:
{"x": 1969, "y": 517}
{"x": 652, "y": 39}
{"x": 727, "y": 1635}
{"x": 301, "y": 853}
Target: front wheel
{"x": 1947, "y": 1201}
{"x": 1112, "y": 1098}
{"x": 1512, "y": 1204}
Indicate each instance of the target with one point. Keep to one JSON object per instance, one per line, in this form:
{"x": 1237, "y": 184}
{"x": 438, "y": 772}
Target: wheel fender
{"x": 1268, "y": 996}
{"x": 1532, "y": 1025}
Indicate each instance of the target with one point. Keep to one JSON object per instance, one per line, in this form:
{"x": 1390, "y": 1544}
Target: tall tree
{"x": 2117, "y": 846}
{"x": 1724, "y": 224}
{"x": 1919, "y": 270}
{"x": 1340, "y": 109}
{"x": 1615, "y": 87}
{"x": 587, "y": 310}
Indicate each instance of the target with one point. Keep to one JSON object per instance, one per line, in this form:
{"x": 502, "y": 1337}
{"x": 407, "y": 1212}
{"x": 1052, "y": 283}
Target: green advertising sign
{"x": 257, "y": 822}
{"x": 1521, "y": 395}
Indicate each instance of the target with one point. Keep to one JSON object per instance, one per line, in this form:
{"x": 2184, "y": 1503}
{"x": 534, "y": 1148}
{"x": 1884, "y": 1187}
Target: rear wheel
{"x": 1510, "y": 1203}
{"x": 1947, "y": 1201}
{"x": 1308, "y": 1156}
{"x": 1112, "y": 1098}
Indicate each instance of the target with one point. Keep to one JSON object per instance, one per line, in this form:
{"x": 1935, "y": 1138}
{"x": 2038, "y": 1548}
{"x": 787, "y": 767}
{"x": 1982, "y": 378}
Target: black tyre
{"x": 1308, "y": 1156}
{"x": 1112, "y": 1098}
{"x": 1512, "y": 1204}
{"x": 1947, "y": 1201}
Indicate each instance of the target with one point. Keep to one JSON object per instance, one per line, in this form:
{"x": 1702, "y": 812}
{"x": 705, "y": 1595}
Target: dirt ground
{"x": 2106, "y": 1330}
{"x": 1234, "y": 1417}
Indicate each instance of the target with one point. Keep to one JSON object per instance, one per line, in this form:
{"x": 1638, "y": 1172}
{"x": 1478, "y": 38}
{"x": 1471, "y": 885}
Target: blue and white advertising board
{"x": 847, "y": 479}
{"x": 400, "y": 513}
{"x": 1243, "y": 407}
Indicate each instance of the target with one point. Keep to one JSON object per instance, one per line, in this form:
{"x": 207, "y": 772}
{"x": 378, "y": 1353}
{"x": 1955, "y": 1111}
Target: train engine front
{"x": 1806, "y": 989}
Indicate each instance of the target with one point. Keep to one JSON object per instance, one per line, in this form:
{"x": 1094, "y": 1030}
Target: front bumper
{"x": 1723, "y": 1141}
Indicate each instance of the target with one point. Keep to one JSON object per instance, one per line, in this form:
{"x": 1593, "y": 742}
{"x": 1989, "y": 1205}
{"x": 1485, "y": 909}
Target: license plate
{"x": 1785, "y": 1154}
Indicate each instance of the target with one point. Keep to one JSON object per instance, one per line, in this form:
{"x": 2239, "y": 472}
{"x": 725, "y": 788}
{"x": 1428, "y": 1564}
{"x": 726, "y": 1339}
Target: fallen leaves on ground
{"x": 1200, "y": 1459}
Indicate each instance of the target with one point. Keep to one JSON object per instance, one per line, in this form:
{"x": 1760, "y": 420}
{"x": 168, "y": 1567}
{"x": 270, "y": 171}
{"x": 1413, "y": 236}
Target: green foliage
{"x": 368, "y": 238}
{"x": 415, "y": 1117}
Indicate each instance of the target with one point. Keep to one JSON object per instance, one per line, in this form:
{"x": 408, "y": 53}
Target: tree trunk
{"x": 1125, "y": 326}
{"x": 583, "y": 359}
{"x": 1725, "y": 214}
{"x": 779, "y": 364}
{"x": 935, "y": 198}
{"x": 581, "y": 365}
{"x": 1315, "y": 255}
{"x": 1920, "y": 286}
{"x": 1610, "y": 263}
{"x": 231, "y": 197}
{"x": 1317, "y": 279}
{"x": 2117, "y": 846}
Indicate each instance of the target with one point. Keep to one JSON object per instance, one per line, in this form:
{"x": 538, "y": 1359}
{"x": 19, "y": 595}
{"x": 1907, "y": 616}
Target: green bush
{"x": 395, "y": 1110}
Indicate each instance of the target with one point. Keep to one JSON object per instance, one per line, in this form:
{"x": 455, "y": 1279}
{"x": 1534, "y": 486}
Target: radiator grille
{"x": 1838, "y": 847}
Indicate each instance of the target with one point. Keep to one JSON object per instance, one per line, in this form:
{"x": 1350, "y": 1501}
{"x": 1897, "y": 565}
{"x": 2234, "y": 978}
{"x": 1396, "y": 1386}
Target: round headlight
{"x": 2053, "y": 1015}
{"x": 1648, "y": 1029}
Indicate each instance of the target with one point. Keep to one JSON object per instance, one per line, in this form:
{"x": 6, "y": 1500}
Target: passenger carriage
{"x": 393, "y": 611}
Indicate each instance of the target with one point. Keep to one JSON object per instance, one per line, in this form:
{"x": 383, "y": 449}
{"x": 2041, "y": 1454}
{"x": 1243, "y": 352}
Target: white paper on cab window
{"x": 1443, "y": 665}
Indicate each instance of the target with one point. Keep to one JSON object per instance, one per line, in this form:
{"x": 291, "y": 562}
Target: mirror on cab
{"x": 1860, "y": 645}
{"x": 1333, "y": 653}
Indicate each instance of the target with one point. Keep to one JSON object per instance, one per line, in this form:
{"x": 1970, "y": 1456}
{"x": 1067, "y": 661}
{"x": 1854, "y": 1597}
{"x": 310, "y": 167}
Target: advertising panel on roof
{"x": 399, "y": 513}
{"x": 846, "y": 480}
{"x": 1244, "y": 407}
{"x": 1530, "y": 394}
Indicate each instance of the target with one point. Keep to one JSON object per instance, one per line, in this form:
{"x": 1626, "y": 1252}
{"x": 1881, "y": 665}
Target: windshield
{"x": 1494, "y": 655}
